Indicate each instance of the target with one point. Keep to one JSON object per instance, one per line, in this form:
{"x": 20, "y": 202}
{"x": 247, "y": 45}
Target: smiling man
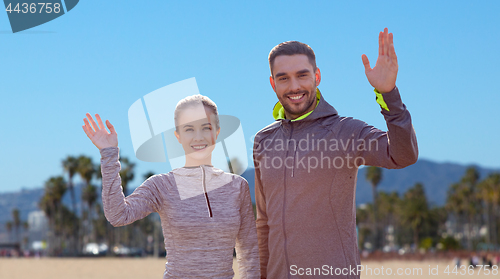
{"x": 306, "y": 164}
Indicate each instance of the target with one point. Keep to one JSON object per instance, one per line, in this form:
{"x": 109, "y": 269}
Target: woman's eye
{"x": 208, "y": 128}
{"x": 189, "y": 130}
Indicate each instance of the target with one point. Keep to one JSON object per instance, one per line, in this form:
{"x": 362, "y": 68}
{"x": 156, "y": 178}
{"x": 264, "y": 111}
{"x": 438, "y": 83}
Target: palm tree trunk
{"x": 375, "y": 225}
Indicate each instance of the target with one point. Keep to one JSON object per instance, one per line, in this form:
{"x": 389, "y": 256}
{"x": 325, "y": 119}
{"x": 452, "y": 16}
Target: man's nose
{"x": 294, "y": 85}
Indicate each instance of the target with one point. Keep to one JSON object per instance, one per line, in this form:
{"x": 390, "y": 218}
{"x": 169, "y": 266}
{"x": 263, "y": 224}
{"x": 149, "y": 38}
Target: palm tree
{"x": 70, "y": 165}
{"x": 415, "y": 210}
{"x": 51, "y": 204}
{"x": 89, "y": 196}
{"x": 8, "y": 226}
{"x": 16, "y": 222}
{"x": 489, "y": 190}
{"x": 126, "y": 173}
{"x": 374, "y": 176}
{"x": 387, "y": 210}
{"x": 462, "y": 199}
{"x": 470, "y": 181}
{"x": 86, "y": 170}
{"x": 148, "y": 175}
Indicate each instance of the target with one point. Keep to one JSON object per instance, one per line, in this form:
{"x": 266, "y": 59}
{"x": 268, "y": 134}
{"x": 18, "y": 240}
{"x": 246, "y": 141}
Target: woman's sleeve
{"x": 118, "y": 209}
{"x": 247, "y": 249}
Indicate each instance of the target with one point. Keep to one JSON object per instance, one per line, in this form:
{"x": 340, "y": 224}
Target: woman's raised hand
{"x": 98, "y": 134}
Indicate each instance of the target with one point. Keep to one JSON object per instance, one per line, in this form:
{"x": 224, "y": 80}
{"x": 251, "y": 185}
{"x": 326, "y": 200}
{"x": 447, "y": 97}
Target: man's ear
{"x": 317, "y": 76}
{"x": 177, "y": 136}
{"x": 273, "y": 85}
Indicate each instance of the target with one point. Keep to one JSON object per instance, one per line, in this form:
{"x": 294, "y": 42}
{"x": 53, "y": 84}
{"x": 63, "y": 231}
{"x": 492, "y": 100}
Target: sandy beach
{"x": 148, "y": 268}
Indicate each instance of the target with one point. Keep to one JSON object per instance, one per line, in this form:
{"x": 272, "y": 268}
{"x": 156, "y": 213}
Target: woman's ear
{"x": 177, "y": 136}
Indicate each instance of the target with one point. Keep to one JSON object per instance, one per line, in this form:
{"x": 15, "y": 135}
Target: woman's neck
{"x": 190, "y": 162}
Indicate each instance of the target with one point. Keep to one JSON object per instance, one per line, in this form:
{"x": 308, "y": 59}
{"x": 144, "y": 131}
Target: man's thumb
{"x": 366, "y": 63}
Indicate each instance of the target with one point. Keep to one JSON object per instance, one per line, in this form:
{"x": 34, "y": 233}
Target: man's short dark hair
{"x": 291, "y": 48}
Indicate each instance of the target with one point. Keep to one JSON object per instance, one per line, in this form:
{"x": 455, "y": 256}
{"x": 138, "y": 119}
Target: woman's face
{"x": 197, "y": 133}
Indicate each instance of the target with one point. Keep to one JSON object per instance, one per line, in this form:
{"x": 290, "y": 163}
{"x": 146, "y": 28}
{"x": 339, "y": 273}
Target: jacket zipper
{"x": 203, "y": 185}
{"x": 294, "y": 155}
{"x": 284, "y": 203}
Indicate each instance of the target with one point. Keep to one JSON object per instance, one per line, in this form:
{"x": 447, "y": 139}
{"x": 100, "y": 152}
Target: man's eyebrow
{"x": 303, "y": 71}
{"x": 280, "y": 74}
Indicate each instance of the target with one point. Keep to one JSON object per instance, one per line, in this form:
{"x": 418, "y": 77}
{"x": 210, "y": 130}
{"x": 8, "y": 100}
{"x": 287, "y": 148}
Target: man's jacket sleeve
{"x": 396, "y": 148}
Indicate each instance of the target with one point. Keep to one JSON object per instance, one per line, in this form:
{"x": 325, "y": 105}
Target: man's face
{"x": 294, "y": 81}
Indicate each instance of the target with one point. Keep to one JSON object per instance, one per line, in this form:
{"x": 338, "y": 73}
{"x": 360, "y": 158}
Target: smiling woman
{"x": 197, "y": 128}
{"x": 205, "y": 212}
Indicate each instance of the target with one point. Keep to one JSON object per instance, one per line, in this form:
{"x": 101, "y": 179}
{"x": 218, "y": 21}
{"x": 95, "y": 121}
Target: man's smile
{"x": 296, "y": 97}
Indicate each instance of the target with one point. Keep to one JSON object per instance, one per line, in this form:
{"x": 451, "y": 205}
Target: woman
{"x": 204, "y": 211}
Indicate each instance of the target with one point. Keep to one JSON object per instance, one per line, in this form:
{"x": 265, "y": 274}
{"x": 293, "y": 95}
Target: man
{"x": 306, "y": 165}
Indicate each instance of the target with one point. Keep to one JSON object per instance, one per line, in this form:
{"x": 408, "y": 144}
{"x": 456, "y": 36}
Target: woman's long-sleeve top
{"x": 204, "y": 213}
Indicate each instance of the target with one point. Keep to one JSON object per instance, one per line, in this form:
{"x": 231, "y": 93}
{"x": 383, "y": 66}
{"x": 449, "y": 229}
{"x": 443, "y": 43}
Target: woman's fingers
{"x": 91, "y": 120}
{"x": 89, "y": 130}
{"x": 99, "y": 121}
{"x": 110, "y": 127}
{"x": 86, "y": 131}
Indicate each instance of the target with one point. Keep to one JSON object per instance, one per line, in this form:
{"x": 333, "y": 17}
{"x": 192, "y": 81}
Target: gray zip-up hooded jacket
{"x": 204, "y": 213}
{"x": 305, "y": 185}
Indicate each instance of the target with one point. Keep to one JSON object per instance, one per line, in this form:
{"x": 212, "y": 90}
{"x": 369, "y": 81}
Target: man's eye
{"x": 303, "y": 75}
{"x": 282, "y": 78}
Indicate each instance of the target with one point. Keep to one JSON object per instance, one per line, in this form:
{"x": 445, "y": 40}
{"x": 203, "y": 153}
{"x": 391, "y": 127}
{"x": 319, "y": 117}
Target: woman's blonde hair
{"x": 196, "y": 100}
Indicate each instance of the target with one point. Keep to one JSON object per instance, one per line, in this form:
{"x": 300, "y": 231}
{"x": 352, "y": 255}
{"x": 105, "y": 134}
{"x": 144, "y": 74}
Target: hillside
{"x": 436, "y": 178}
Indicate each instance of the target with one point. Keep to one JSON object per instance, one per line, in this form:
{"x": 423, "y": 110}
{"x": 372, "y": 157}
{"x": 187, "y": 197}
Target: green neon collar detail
{"x": 380, "y": 100}
{"x": 279, "y": 111}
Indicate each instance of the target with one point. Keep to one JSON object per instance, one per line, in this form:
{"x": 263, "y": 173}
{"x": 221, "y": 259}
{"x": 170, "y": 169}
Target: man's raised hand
{"x": 98, "y": 134}
{"x": 383, "y": 75}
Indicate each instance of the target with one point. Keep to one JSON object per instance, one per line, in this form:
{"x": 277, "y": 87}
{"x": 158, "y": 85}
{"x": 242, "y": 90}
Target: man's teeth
{"x": 296, "y": 97}
{"x": 199, "y": 147}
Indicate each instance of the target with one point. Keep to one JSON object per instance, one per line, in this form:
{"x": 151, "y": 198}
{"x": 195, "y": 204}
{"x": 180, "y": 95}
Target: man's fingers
{"x": 110, "y": 127}
{"x": 392, "y": 51}
{"x": 101, "y": 125}
{"x": 366, "y": 63}
{"x": 386, "y": 41}
{"x": 380, "y": 44}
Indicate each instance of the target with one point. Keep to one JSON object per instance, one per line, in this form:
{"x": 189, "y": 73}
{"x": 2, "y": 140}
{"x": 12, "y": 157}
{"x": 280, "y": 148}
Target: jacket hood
{"x": 323, "y": 109}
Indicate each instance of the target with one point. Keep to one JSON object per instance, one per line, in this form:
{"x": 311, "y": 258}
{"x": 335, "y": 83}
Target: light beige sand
{"x": 84, "y": 268}
{"x": 148, "y": 268}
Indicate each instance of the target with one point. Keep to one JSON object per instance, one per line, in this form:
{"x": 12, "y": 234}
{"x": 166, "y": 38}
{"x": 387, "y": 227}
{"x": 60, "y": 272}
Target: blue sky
{"x": 104, "y": 55}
